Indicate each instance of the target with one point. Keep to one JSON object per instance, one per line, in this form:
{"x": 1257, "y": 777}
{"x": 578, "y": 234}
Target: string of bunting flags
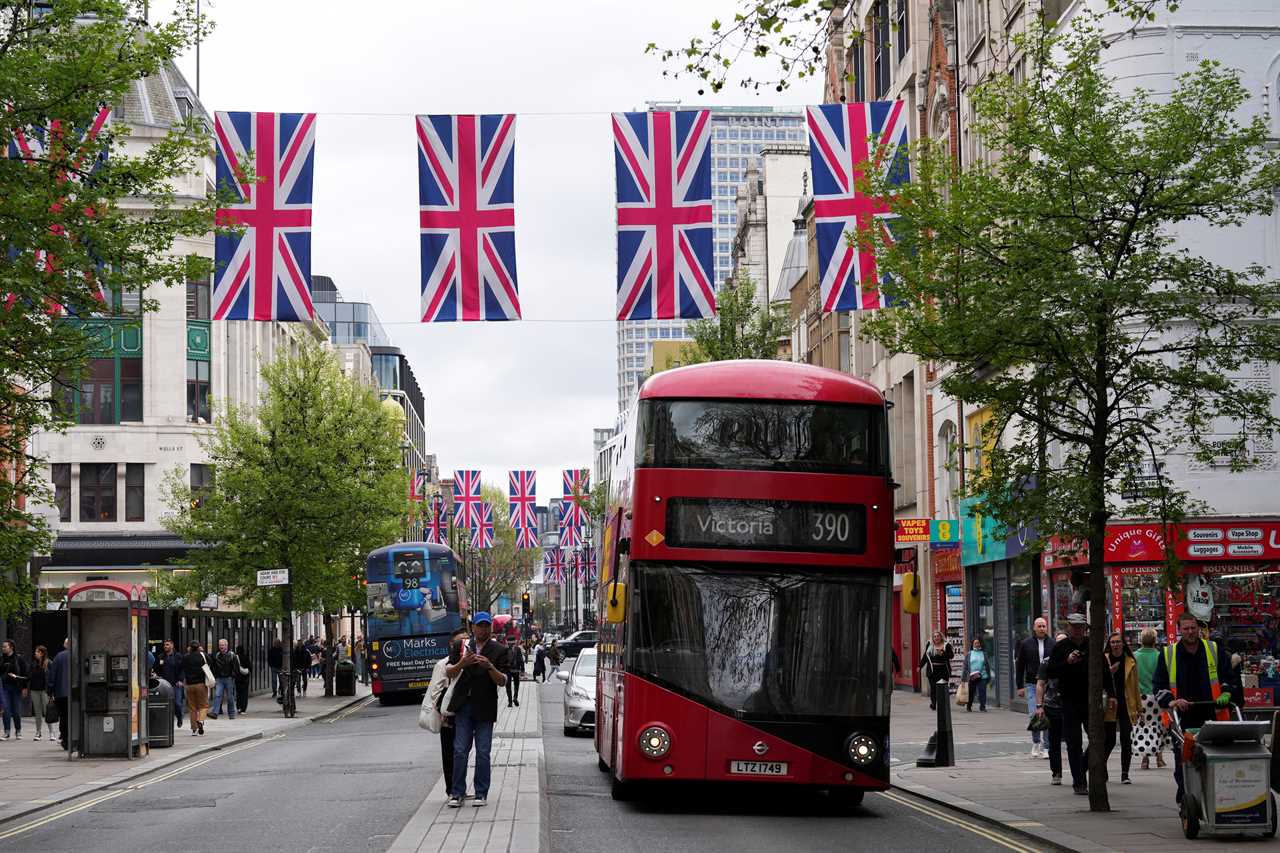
{"x": 467, "y": 213}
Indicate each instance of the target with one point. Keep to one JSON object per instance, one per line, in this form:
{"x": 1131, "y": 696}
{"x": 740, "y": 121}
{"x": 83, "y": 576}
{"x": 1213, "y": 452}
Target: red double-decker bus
{"x": 745, "y": 603}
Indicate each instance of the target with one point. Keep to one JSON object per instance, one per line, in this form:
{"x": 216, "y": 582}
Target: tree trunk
{"x": 1098, "y": 631}
{"x": 327, "y": 663}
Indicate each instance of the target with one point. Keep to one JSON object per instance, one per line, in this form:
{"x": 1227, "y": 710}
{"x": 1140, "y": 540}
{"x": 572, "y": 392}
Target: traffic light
{"x": 524, "y": 602}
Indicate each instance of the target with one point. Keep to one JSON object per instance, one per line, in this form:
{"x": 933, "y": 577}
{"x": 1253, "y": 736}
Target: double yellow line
{"x": 88, "y": 804}
{"x": 342, "y": 715}
{"x": 976, "y": 829}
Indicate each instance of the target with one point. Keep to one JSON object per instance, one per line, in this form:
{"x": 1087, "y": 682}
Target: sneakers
{"x": 454, "y": 803}
{"x": 38, "y": 736}
{"x": 195, "y": 733}
{"x": 17, "y": 735}
{"x": 517, "y": 703}
{"x": 5, "y": 737}
{"x": 1081, "y": 790}
{"x": 1035, "y": 751}
{"x": 478, "y": 802}
{"x": 1124, "y": 779}
{"x": 1057, "y": 780}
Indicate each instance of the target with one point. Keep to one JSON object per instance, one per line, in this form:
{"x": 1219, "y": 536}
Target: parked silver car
{"x": 580, "y": 692}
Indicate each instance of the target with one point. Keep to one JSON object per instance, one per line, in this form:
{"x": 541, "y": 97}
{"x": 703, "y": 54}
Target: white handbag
{"x": 429, "y": 716}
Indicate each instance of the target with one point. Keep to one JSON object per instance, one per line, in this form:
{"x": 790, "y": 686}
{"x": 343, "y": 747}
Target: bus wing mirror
{"x": 616, "y": 603}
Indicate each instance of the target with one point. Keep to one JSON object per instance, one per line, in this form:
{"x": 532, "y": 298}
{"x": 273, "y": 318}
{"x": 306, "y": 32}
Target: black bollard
{"x": 941, "y": 749}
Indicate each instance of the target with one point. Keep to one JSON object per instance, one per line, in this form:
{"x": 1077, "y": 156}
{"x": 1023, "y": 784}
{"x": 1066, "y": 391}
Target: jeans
{"x": 1031, "y": 710}
{"x": 1124, "y": 728}
{"x": 40, "y": 701}
{"x": 179, "y": 702}
{"x": 1055, "y": 740}
{"x": 446, "y": 758}
{"x": 276, "y": 687}
{"x": 977, "y": 690}
{"x": 1074, "y": 722}
{"x": 13, "y": 708}
{"x": 224, "y": 687}
{"x": 468, "y": 729}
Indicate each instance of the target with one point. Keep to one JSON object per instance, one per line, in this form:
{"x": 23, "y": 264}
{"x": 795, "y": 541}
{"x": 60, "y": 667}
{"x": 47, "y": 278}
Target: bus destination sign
{"x": 759, "y": 525}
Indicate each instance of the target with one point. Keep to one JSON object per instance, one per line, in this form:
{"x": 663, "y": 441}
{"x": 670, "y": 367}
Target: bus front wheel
{"x": 601, "y": 765}
{"x": 619, "y": 790}
{"x": 846, "y": 799}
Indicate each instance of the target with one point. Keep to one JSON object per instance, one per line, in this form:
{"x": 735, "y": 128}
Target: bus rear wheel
{"x": 619, "y": 790}
{"x": 601, "y": 765}
{"x": 845, "y": 799}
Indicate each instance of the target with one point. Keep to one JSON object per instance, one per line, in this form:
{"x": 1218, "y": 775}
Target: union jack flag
{"x": 482, "y": 533}
{"x": 466, "y": 198}
{"x": 663, "y": 166}
{"x": 589, "y": 565}
{"x": 577, "y": 489}
{"x": 570, "y": 535}
{"x": 838, "y": 148}
{"x": 553, "y": 565}
{"x": 437, "y": 524}
{"x": 522, "y": 491}
{"x": 418, "y": 484}
{"x": 466, "y": 498}
{"x": 527, "y": 537}
{"x": 61, "y": 143}
{"x": 265, "y": 272}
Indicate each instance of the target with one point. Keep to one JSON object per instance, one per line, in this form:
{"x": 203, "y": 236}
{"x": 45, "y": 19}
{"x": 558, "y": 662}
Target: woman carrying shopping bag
{"x": 977, "y": 673}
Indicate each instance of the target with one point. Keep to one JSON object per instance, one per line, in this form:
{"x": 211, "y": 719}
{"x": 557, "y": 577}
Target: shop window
{"x": 62, "y": 489}
{"x": 97, "y": 491}
{"x": 135, "y": 492}
{"x": 198, "y": 392}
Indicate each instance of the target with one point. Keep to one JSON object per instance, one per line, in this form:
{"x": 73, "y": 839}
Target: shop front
{"x": 986, "y": 585}
{"x": 906, "y": 626}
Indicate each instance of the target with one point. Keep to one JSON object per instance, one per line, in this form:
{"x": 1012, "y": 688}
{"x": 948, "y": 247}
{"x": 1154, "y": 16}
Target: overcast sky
{"x": 498, "y": 395}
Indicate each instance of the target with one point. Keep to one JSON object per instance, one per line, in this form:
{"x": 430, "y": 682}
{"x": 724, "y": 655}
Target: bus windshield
{"x": 763, "y": 644}
{"x": 761, "y": 435}
{"x": 411, "y": 594}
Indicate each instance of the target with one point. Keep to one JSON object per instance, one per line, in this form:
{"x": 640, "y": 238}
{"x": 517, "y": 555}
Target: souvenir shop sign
{"x": 1228, "y": 540}
{"x": 1133, "y": 543}
{"x": 982, "y": 537}
{"x": 911, "y": 530}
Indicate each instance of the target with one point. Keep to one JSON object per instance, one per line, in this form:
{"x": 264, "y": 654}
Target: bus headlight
{"x": 655, "y": 742}
{"x": 864, "y": 750}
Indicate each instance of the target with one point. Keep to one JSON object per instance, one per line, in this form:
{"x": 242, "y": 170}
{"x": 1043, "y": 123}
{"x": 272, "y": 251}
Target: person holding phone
{"x": 474, "y": 705}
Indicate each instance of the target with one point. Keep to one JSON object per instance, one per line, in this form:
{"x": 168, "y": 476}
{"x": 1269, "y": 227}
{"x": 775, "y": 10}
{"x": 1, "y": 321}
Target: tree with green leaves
{"x": 503, "y": 569}
{"x": 72, "y": 242}
{"x": 1052, "y": 283}
{"x": 741, "y": 328}
{"x": 311, "y": 481}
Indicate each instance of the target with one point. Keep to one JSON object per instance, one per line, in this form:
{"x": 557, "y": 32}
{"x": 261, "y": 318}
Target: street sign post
{"x": 273, "y": 577}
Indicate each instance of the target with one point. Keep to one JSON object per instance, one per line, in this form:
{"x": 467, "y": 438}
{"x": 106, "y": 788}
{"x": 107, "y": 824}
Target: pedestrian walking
{"x": 1026, "y": 667}
{"x": 225, "y": 666}
{"x": 540, "y": 662}
{"x": 60, "y": 686}
{"x": 440, "y": 694}
{"x": 515, "y": 669}
{"x": 1194, "y": 670}
{"x": 38, "y": 686}
{"x": 1069, "y": 663}
{"x": 301, "y": 663}
{"x": 362, "y": 669}
{"x": 242, "y": 680}
{"x": 13, "y": 683}
{"x": 936, "y": 663}
{"x": 977, "y": 672}
{"x": 1149, "y": 735}
{"x": 1051, "y": 709}
{"x": 275, "y": 663}
{"x": 195, "y": 677}
{"x": 475, "y": 706}
{"x": 554, "y": 657}
{"x": 1122, "y": 670}
{"x": 169, "y": 667}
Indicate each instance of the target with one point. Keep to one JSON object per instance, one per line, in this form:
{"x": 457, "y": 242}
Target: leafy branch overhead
{"x": 776, "y": 44}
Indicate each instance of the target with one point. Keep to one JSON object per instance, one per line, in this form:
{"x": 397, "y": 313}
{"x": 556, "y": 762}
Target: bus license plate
{"x": 758, "y": 768}
{"x": 414, "y": 685}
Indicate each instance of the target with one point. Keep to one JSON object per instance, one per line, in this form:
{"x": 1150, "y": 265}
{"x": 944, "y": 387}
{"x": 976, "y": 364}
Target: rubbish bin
{"x": 345, "y": 678}
{"x": 160, "y": 713}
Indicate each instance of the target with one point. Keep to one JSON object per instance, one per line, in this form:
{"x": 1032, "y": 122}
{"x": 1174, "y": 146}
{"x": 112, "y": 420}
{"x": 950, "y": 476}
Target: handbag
{"x": 962, "y": 693}
{"x": 429, "y": 714}
{"x": 1039, "y": 723}
{"x": 208, "y": 673}
{"x": 51, "y": 713}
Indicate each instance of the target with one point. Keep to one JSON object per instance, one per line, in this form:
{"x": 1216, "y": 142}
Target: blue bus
{"x": 416, "y": 600}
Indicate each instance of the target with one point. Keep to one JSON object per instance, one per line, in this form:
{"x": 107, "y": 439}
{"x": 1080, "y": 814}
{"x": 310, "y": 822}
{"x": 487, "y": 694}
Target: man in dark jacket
{"x": 475, "y": 706}
{"x": 1069, "y": 663}
{"x": 13, "y": 681}
{"x": 1201, "y": 672}
{"x": 275, "y": 663}
{"x": 225, "y": 666}
{"x": 515, "y": 669}
{"x": 60, "y": 686}
{"x": 1026, "y": 665}
{"x": 169, "y": 667}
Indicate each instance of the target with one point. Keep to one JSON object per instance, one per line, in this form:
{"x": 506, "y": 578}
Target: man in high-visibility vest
{"x": 1194, "y": 670}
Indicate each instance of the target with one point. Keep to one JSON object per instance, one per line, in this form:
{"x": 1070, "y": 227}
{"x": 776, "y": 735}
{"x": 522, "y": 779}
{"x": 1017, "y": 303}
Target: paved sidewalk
{"x": 38, "y": 775}
{"x": 512, "y": 822}
{"x": 994, "y": 778}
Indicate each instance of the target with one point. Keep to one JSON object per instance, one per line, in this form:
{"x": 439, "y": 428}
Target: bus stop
{"x": 107, "y": 708}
